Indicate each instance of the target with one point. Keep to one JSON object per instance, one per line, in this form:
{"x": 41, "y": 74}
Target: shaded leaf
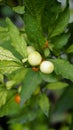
{"x": 44, "y": 104}
{"x": 34, "y": 31}
{"x": 61, "y": 21}
{"x": 50, "y": 13}
{"x": 70, "y": 49}
{"x": 71, "y": 125}
{"x": 60, "y": 41}
{"x": 30, "y": 83}
{"x": 65, "y": 101}
{"x": 35, "y": 7}
{"x": 24, "y": 116}
{"x": 1, "y": 78}
{"x": 10, "y": 107}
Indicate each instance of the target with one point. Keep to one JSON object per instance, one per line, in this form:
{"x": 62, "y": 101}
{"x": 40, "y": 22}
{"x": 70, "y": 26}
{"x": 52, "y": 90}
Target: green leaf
{"x": 61, "y": 21}
{"x": 56, "y": 85}
{"x": 30, "y": 83}
{"x": 42, "y": 126}
{"x": 10, "y": 84}
{"x": 17, "y": 126}
{"x": 15, "y": 76}
{"x": 4, "y": 36}
{"x": 63, "y": 68}
{"x": 44, "y": 104}
{"x": 51, "y": 10}
{"x": 49, "y": 77}
{"x": 10, "y": 107}
{"x": 34, "y": 31}
{"x": 65, "y": 101}
{"x": 3, "y": 95}
{"x": 65, "y": 128}
{"x": 19, "y": 9}
{"x": 35, "y": 7}
{"x": 7, "y": 67}
{"x": 1, "y": 78}
{"x": 46, "y": 52}
{"x": 7, "y": 55}
{"x": 17, "y": 40}
{"x": 24, "y": 116}
{"x": 71, "y": 125}
{"x": 60, "y": 41}
{"x": 32, "y": 20}
{"x": 2, "y": 29}
{"x": 70, "y": 49}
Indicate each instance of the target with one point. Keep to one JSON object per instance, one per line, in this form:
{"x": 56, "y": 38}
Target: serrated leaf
{"x": 61, "y": 21}
{"x": 7, "y": 67}
{"x": 17, "y": 40}
{"x": 19, "y": 9}
{"x": 34, "y": 31}
{"x": 51, "y": 10}
{"x": 60, "y": 41}
{"x": 49, "y": 78}
{"x": 70, "y": 49}
{"x": 35, "y": 7}
{"x": 7, "y": 55}
{"x": 44, "y": 104}
{"x": 63, "y": 68}
{"x": 56, "y": 85}
{"x": 30, "y": 83}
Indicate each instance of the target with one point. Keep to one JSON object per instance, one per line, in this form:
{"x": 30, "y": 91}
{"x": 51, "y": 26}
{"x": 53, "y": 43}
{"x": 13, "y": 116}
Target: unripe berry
{"x": 34, "y": 58}
{"x": 46, "y": 67}
{"x": 30, "y": 49}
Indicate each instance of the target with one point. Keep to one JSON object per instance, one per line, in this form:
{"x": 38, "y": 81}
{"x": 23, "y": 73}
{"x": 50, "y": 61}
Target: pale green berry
{"x": 30, "y": 49}
{"x": 34, "y": 58}
{"x": 46, "y": 67}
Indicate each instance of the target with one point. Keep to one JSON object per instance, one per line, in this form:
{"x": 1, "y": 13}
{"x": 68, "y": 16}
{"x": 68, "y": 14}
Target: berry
{"x": 17, "y": 98}
{"x": 46, "y": 67}
{"x": 30, "y": 49}
{"x": 34, "y": 58}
